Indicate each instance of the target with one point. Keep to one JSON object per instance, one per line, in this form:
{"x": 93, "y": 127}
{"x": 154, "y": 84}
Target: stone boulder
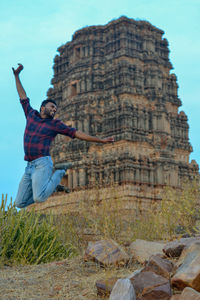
{"x": 150, "y": 286}
{"x": 189, "y": 294}
{"x": 136, "y": 272}
{"x": 104, "y": 287}
{"x": 106, "y": 252}
{"x": 174, "y": 248}
{"x": 141, "y": 250}
{"x": 160, "y": 266}
{"x": 175, "y": 297}
{"x": 123, "y": 290}
{"x": 188, "y": 272}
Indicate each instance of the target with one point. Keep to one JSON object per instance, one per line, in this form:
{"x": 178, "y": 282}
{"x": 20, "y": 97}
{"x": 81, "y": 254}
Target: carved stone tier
{"x": 115, "y": 80}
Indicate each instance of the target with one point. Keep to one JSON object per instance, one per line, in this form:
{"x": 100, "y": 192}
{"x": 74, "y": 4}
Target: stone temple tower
{"x": 115, "y": 80}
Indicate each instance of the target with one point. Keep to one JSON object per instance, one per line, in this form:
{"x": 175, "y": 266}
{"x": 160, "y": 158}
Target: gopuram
{"x": 115, "y": 80}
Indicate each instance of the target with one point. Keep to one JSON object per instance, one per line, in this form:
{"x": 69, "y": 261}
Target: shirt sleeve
{"x": 61, "y": 128}
{"x": 26, "y": 106}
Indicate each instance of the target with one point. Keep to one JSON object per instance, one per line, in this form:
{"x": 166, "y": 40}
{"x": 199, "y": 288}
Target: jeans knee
{"x": 39, "y": 198}
{"x": 20, "y": 205}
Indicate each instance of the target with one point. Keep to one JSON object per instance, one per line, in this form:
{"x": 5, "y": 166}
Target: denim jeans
{"x": 38, "y": 182}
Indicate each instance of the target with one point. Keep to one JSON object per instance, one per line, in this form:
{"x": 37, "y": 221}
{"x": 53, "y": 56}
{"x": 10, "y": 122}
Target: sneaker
{"x": 62, "y": 188}
{"x": 63, "y": 166}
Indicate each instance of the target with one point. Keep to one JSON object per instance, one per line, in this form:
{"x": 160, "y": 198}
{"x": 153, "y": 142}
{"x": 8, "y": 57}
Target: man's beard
{"x": 48, "y": 113}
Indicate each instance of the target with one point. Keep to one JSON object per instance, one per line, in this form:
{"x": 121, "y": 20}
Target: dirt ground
{"x": 68, "y": 279}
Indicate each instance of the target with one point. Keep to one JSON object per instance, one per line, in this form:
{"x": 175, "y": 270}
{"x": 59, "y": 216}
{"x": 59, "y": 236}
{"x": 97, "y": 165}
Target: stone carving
{"x": 115, "y": 80}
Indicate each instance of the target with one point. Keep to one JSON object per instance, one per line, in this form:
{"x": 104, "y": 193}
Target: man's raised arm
{"x": 20, "y": 89}
{"x": 83, "y": 136}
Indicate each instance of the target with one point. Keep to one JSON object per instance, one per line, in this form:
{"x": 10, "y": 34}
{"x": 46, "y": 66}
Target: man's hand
{"x": 20, "y": 89}
{"x": 108, "y": 140}
{"x": 18, "y": 70}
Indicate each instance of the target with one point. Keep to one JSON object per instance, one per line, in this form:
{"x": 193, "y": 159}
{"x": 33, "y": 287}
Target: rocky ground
{"x": 69, "y": 279}
{"x": 144, "y": 270}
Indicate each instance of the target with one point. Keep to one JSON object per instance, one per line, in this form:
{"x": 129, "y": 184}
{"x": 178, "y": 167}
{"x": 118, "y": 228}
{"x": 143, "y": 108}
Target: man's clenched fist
{"x": 18, "y": 70}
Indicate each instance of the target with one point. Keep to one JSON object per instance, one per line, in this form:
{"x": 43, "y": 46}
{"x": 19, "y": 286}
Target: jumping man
{"x": 40, "y": 179}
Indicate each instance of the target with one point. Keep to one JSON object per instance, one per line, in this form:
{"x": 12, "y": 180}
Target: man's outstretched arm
{"x": 20, "y": 89}
{"x": 83, "y": 136}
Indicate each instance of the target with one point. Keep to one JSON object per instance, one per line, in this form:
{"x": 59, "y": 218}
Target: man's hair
{"x": 47, "y": 101}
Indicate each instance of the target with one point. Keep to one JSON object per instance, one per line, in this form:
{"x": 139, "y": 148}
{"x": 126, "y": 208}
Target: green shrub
{"x": 29, "y": 238}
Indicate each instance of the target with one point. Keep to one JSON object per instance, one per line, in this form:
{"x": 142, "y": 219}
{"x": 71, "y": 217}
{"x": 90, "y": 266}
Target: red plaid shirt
{"x": 39, "y": 132}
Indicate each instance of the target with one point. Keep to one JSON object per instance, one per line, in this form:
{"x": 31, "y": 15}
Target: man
{"x": 40, "y": 180}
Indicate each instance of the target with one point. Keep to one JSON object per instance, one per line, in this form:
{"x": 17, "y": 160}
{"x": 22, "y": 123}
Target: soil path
{"x": 71, "y": 279}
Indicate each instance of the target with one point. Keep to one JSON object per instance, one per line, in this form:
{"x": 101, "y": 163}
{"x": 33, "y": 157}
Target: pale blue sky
{"x": 31, "y": 32}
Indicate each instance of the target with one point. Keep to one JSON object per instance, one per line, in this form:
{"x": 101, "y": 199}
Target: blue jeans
{"x": 38, "y": 182}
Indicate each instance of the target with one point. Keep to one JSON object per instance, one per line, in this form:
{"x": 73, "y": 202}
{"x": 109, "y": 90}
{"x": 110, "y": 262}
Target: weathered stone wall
{"x": 115, "y": 80}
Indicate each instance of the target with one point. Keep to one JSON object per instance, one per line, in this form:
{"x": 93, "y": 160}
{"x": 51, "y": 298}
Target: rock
{"x": 188, "y": 273}
{"x": 104, "y": 287}
{"x": 106, "y": 252}
{"x": 189, "y": 294}
{"x": 175, "y": 297}
{"x": 150, "y": 286}
{"x": 141, "y": 250}
{"x": 174, "y": 248}
{"x": 123, "y": 290}
{"x": 185, "y": 252}
{"x": 160, "y": 266}
{"x": 135, "y": 273}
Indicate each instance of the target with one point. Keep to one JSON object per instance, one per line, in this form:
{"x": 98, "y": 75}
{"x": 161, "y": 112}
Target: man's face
{"x": 50, "y": 110}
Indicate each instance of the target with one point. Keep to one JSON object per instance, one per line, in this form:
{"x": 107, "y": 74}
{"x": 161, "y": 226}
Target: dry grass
{"x": 73, "y": 278}
{"x": 177, "y": 214}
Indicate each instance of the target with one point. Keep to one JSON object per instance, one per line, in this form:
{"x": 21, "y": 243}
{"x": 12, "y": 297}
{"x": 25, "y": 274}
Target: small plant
{"x": 29, "y": 238}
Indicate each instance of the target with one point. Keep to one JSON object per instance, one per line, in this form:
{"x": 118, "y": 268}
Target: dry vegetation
{"x": 32, "y": 238}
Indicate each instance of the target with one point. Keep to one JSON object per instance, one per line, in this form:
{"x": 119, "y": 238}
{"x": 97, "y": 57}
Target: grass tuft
{"x": 29, "y": 238}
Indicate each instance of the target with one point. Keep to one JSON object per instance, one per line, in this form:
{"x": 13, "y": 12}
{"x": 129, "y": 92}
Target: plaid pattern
{"x": 39, "y": 133}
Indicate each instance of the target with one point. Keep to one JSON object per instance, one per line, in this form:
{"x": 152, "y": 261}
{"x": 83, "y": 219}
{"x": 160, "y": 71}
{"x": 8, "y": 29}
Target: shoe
{"x": 62, "y": 188}
{"x": 63, "y": 166}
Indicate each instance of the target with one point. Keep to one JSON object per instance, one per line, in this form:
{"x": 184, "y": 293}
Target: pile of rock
{"x": 168, "y": 268}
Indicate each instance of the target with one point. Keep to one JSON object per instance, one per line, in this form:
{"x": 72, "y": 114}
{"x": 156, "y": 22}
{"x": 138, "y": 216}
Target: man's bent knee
{"x": 21, "y": 202}
{"x": 20, "y": 205}
{"x": 39, "y": 199}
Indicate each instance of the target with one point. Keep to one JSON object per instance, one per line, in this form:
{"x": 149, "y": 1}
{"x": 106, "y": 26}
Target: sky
{"x": 31, "y": 32}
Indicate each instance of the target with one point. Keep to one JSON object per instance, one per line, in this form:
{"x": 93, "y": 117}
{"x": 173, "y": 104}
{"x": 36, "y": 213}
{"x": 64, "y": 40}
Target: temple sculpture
{"x": 116, "y": 80}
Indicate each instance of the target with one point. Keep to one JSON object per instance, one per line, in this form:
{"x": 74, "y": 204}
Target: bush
{"x": 29, "y": 238}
